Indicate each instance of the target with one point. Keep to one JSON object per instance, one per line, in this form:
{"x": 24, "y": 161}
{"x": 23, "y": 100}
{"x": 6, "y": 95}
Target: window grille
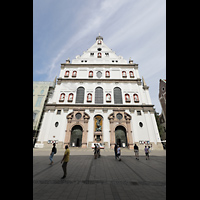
{"x": 117, "y": 95}
{"x": 80, "y": 95}
{"x": 99, "y": 95}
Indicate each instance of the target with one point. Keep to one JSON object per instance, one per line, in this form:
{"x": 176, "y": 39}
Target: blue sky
{"x": 132, "y": 28}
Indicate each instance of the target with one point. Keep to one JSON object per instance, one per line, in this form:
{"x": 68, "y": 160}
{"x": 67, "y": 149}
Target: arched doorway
{"x": 76, "y": 136}
{"x": 120, "y": 136}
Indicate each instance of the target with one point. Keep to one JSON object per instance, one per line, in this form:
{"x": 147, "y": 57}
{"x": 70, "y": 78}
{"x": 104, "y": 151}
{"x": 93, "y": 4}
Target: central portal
{"x": 76, "y": 136}
{"x": 120, "y": 136}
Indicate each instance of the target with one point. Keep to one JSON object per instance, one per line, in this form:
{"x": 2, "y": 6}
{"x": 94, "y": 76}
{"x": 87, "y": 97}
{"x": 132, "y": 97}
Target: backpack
{"x": 55, "y": 150}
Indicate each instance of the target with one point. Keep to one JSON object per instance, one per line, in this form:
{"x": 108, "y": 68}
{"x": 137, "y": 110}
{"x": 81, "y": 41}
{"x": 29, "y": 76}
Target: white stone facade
{"x": 100, "y": 84}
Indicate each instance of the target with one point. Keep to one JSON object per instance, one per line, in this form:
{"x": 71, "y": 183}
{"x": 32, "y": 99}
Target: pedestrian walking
{"x": 115, "y": 150}
{"x": 95, "y": 151}
{"x": 98, "y": 150}
{"x": 53, "y": 152}
{"x": 136, "y": 150}
{"x": 149, "y": 147}
{"x": 146, "y": 152}
{"x": 65, "y": 160}
{"x": 118, "y": 153}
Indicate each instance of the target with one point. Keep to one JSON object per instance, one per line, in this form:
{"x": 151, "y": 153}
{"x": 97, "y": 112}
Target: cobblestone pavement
{"x": 102, "y": 178}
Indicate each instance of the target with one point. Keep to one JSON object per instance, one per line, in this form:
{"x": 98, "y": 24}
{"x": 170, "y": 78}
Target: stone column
{"x": 85, "y": 130}
{"x": 112, "y": 131}
{"x": 68, "y": 131}
{"x": 67, "y": 138}
{"x": 129, "y": 134}
{"x": 84, "y": 139}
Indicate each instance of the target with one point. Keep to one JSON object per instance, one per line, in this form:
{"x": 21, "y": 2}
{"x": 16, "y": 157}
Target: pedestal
{"x": 112, "y": 146}
{"x": 97, "y": 133}
{"x": 130, "y": 146}
{"x": 84, "y": 145}
{"x": 95, "y": 136}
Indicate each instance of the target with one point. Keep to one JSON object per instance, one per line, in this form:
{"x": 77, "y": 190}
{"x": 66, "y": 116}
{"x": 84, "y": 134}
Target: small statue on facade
{"x": 98, "y": 125}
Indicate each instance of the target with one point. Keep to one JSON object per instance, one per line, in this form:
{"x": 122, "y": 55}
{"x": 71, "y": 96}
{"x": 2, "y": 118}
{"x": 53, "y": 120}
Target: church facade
{"x": 99, "y": 98}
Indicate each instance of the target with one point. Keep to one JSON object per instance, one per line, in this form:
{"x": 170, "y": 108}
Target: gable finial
{"x": 144, "y": 84}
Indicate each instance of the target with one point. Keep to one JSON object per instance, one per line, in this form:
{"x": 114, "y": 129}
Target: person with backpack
{"x": 53, "y": 151}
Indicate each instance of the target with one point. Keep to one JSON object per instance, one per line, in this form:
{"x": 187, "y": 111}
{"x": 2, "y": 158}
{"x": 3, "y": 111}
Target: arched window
{"x": 124, "y": 74}
{"x": 98, "y": 41}
{"x": 67, "y": 74}
{"x": 131, "y": 74}
{"x": 70, "y": 97}
{"x": 117, "y": 95}
{"x": 80, "y": 95}
{"x": 74, "y": 73}
{"x": 107, "y": 74}
{"x": 127, "y": 98}
{"x": 62, "y": 97}
{"x": 99, "y": 95}
{"x": 98, "y": 55}
{"x": 90, "y": 73}
{"x": 136, "y": 98}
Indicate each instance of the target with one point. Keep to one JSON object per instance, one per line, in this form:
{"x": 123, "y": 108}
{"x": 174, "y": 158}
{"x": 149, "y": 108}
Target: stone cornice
{"x": 132, "y": 108}
{"x": 138, "y": 80}
{"x": 66, "y": 65}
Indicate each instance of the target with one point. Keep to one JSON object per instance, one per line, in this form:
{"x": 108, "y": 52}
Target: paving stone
{"x": 102, "y": 178}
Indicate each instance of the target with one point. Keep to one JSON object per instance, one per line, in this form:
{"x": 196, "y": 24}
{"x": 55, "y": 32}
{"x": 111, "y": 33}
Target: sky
{"x": 132, "y": 28}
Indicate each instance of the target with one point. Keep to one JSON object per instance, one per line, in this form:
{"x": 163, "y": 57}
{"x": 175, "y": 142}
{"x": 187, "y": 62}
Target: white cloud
{"x": 132, "y": 28}
{"x": 105, "y": 11}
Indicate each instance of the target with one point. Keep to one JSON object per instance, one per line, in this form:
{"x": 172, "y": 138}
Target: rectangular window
{"x": 139, "y": 112}
{"x": 34, "y": 116}
{"x": 38, "y": 102}
{"x": 58, "y": 112}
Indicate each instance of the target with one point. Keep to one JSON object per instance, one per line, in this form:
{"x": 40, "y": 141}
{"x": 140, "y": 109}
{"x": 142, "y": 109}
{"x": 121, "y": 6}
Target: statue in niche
{"x": 89, "y": 97}
{"x": 108, "y": 97}
{"x": 70, "y": 97}
{"x": 98, "y": 124}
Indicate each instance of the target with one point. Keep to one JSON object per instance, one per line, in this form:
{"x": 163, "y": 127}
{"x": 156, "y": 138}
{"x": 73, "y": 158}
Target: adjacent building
{"x": 41, "y": 91}
{"x": 162, "y": 99}
{"x": 99, "y": 97}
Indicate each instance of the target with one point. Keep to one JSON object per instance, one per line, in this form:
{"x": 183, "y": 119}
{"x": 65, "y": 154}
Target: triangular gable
{"x": 99, "y": 53}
